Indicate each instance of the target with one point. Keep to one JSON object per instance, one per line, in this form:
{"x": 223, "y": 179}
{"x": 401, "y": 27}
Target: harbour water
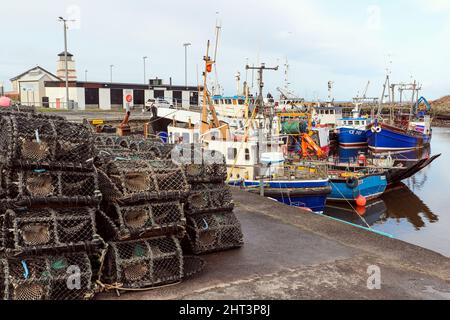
{"x": 416, "y": 211}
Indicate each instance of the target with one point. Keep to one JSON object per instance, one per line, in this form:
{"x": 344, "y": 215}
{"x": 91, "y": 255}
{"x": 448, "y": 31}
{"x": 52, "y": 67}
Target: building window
{"x": 186, "y": 138}
{"x": 91, "y": 96}
{"x": 247, "y": 154}
{"x": 117, "y": 96}
{"x": 232, "y": 153}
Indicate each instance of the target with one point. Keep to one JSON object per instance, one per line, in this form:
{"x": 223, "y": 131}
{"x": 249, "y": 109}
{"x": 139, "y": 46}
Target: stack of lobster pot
{"x": 142, "y": 218}
{"x": 211, "y": 223}
{"x": 49, "y": 196}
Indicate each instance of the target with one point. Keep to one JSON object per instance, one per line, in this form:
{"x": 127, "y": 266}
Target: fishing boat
{"x": 348, "y": 186}
{"x": 254, "y": 153}
{"x": 352, "y": 132}
{"x": 411, "y": 135}
{"x": 402, "y": 131}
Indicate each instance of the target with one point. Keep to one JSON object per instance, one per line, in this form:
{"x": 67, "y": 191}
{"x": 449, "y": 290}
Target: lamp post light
{"x": 111, "y": 72}
{"x": 145, "y": 71}
{"x": 186, "y": 45}
{"x": 61, "y": 19}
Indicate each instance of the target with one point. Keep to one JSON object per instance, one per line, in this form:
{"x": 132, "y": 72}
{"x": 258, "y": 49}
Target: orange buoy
{"x": 361, "y": 201}
{"x": 307, "y": 209}
{"x": 362, "y": 160}
{"x": 361, "y": 211}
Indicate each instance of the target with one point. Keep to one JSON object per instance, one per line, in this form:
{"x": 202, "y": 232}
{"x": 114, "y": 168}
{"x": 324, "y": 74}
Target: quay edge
{"x": 292, "y": 254}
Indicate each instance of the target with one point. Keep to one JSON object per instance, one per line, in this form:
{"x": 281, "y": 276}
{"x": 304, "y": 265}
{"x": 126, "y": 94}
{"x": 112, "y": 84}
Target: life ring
{"x": 378, "y": 129}
{"x": 373, "y": 129}
{"x": 352, "y": 182}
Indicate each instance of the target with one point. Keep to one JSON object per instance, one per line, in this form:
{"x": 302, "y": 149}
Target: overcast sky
{"x": 346, "y": 41}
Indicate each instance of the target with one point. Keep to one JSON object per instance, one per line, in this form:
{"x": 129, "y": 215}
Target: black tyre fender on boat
{"x": 352, "y": 182}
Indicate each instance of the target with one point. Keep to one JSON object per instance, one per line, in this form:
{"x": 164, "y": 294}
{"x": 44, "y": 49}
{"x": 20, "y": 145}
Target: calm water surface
{"x": 418, "y": 211}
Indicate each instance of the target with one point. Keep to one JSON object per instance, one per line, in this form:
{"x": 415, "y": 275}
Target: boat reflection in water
{"x": 375, "y": 211}
{"x": 403, "y": 204}
{"x": 399, "y": 204}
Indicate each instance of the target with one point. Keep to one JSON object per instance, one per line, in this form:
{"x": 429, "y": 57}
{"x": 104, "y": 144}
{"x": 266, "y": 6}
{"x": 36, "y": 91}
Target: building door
{"x": 159, "y": 94}
{"x": 91, "y": 98}
{"x": 194, "y": 98}
{"x": 138, "y": 98}
{"x": 117, "y": 99}
{"x": 178, "y": 98}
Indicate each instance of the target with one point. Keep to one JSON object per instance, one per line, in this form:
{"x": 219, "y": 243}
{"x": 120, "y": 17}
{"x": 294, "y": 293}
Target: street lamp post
{"x": 85, "y": 75}
{"x": 145, "y": 71}
{"x": 111, "y": 72}
{"x": 186, "y": 45}
{"x": 65, "y": 60}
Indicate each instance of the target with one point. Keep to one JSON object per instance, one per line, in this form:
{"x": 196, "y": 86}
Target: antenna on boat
{"x": 330, "y": 92}
{"x": 238, "y": 83}
{"x": 218, "y": 30}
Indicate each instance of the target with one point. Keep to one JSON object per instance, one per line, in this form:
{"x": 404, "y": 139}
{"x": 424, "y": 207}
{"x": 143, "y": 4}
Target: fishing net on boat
{"x": 142, "y": 264}
{"x": 208, "y": 198}
{"x": 213, "y": 232}
{"x": 49, "y": 230}
{"x": 60, "y": 277}
{"x": 130, "y": 181}
{"x": 46, "y": 186}
{"x": 30, "y": 140}
{"x": 201, "y": 165}
{"x": 118, "y": 222}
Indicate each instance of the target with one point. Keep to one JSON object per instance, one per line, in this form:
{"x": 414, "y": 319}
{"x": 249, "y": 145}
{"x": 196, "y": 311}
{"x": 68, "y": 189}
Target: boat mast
{"x": 260, "y": 100}
{"x": 204, "y": 128}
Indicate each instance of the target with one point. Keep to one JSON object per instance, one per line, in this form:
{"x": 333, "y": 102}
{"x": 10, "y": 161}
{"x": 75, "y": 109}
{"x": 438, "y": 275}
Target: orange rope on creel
{"x": 119, "y": 287}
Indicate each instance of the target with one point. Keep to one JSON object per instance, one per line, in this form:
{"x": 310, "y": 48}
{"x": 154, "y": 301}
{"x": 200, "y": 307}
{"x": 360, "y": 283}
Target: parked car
{"x": 158, "y": 103}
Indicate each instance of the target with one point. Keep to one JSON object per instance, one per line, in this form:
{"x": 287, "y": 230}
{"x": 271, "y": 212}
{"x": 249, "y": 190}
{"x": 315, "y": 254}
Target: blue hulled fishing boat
{"x": 350, "y": 186}
{"x": 353, "y": 132}
{"x": 311, "y": 194}
{"x": 414, "y": 135}
{"x": 402, "y": 131}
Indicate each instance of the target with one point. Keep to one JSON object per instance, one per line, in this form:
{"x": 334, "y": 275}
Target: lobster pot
{"x": 201, "y": 165}
{"x": 142, "y": 264}
{"x": 17, "y": 108}
{"x": 129, "y": 181}
{"x": 141, "y": 221}
{"x": 30, "y": 140}
{"x": 162, "y": 151}
{"x": 41, "y": 183}
{"x": 62, "y": 277}
{"x": 213, "y": 232}
{"x": 104, "y": 140}
{"x": 208, "y": 198}
{"x": 49, "y": 230}
{"x": 107, "y": 154}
